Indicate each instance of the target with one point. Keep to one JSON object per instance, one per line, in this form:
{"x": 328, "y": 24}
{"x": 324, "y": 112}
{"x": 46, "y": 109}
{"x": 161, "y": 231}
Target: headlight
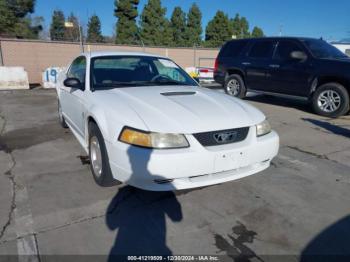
{"x": 152, "y": 140}
{"x": 263, "y": 128}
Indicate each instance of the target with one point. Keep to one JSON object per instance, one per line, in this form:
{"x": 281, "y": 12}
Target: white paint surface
{"x": 13, "y": 78}
{"x": 50, "y": 76}
{"x": 345, "y": 48}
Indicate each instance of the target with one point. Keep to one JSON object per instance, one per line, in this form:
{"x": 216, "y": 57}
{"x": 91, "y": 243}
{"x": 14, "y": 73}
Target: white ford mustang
{"x": 145, "y": 122}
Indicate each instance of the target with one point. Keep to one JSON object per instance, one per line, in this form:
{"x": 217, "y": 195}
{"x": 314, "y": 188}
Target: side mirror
{"x": 73, "y": 83}
{"x": 298, "y": 55}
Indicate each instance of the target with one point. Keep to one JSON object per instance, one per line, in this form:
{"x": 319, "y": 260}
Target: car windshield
{"x": 128, "y": 71}
{"x": 321, "y": 49}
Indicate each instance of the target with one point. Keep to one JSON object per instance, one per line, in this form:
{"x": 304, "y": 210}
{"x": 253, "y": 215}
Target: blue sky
{"x": 314, "y": 18}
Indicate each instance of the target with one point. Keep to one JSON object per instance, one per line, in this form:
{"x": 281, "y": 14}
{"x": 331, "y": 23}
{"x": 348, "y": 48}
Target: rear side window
{"x": 233, "y": 48}
{"x": 285, "y": 49}
{"x": 262, "y": 49}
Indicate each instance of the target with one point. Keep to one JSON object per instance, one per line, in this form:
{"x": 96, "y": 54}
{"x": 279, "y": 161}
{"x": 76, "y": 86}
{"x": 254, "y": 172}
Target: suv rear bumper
{"x": 219, "y": 77}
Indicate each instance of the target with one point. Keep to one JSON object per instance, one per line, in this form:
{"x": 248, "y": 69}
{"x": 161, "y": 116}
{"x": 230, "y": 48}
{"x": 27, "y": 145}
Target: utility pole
{"x": 71, "y": 25}
{"x": 194, "y": 56}
{"x": 281, "y": 29}
{"x": 80, "y": 37}
{"x": 1, "y": 58}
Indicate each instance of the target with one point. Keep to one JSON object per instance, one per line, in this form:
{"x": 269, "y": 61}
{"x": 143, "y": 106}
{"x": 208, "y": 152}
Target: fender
{"x": 111, "y": 122}
{"x": 231, "y": 71}
{"x": 98, "y": 115}
{"x": 323, "y": 79}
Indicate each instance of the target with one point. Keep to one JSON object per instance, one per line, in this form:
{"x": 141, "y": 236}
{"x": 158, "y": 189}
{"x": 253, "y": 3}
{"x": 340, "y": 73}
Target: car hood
{"x": 187, "y": 110}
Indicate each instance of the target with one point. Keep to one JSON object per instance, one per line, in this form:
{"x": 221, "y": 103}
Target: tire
{"x": 331, "y": 100}
{"x": 100, "y": 159}
{"x": 234, "y": 86}
{"x": 61, "y": 117}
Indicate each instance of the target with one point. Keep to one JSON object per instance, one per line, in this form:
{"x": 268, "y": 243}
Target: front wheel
{"x": 99, "y": 162}
{"x": 331, "y": 100}
{"x": 234, "y": 86}
{"x": 61, "y": 117}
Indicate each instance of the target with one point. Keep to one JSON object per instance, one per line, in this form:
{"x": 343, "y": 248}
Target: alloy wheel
{"x": 329, "y": 101}
{"x": 60, "y": 112}
{"x": 96, "y": 156}
{"x": 233, "y": 87}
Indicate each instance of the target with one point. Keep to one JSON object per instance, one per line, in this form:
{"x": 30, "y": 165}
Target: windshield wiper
{"x": 118, "y": 85}
{"x": 171, "y": 82}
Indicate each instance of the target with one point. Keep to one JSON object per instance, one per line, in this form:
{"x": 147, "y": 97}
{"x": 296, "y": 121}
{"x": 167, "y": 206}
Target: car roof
{"x": 119, "y": 53}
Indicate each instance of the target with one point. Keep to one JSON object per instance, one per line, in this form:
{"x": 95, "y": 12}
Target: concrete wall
{"x": 37, "y": 56}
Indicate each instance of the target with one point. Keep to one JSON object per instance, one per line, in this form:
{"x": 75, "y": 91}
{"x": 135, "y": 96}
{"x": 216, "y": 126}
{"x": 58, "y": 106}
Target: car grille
{"x": 222, "y": 137}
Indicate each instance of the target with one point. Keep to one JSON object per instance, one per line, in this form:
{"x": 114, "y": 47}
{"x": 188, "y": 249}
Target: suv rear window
{"x": 233, "y": 48}
{"x": 262, "y": 49}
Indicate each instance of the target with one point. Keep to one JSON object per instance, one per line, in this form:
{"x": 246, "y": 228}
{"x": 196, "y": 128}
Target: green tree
{"x": 178, "y": 26}
{"x": 7, "y": 19}
{"x": 155, "y": 29}
{"x": 94, "y": 34}
{"x": 244, "y": 28}
{"x": 15, "y": 19}
{"x": 167, "y": 39}
{"x": 126, "y": 28}
{"x": 194, "y": 26}
{"x": 240, "y": 27}
{"x": 21, "y": 8}
{"x": 236, "y": 26}
{"x": 257, "y": 32}
{"x": 57, "y": 28}
{"x": 72, "y": 33}
{"x": 218, "y": 30}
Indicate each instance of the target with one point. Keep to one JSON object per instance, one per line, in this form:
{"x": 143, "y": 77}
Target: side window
{"x": 170, "y": 69}
{"x": 233, "y": 48}
{"x": 262, "y": 49}
{"x": 78, "y": 69}
{"x": 285, "y": 49}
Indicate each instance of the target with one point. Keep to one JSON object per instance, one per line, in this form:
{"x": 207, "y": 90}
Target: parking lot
{"x": 50, "y": 204}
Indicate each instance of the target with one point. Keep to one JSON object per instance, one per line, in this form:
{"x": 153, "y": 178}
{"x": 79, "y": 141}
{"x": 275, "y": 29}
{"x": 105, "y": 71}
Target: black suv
{"x": 298, "y": 67}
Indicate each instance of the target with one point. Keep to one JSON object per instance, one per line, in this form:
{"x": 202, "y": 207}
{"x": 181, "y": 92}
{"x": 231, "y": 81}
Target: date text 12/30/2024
{"x": 174, "y": 258}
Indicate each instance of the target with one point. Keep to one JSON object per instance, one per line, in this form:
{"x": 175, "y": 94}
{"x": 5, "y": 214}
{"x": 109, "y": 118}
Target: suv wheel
{"x": 234, "y": 86}
{"x": 331, "y": 100}
{"x": 61, "y": 117}
{"x": 99, "y": 162}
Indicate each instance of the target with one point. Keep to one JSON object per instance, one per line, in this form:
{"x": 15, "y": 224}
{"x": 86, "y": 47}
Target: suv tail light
{"x": 205, "y": 70}
{"x": 216, "y": 65}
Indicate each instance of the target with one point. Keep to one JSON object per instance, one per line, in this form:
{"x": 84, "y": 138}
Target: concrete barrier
{"x": 13, "y": 78}
{"x": 51, "y": 75}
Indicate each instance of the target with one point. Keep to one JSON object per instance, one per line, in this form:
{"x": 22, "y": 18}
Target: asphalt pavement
{"x": 50, "y": 205}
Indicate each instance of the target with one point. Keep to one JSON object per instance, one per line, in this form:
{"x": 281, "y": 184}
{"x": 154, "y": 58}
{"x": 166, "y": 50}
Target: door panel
{"x": 287, "y": 75}
{"x": 256, "y": 67}
{"x": 74, "y": 98}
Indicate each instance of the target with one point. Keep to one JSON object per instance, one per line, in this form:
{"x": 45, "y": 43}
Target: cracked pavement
{"x": 50, "y": 205}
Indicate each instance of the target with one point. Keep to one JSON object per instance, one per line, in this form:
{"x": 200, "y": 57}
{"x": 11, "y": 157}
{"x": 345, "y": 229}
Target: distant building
{"x": 342, "y": 46}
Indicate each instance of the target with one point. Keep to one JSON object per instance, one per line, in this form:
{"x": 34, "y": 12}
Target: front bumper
{"x": 192, "y": 167}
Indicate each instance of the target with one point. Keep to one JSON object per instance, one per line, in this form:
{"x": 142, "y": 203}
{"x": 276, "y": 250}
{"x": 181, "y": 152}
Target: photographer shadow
{"x": 139, "y": 216}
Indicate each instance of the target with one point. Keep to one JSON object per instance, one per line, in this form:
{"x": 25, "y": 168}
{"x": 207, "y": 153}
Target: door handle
{"x": 274, "y": 66}
{"x": 246, "y": 63}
